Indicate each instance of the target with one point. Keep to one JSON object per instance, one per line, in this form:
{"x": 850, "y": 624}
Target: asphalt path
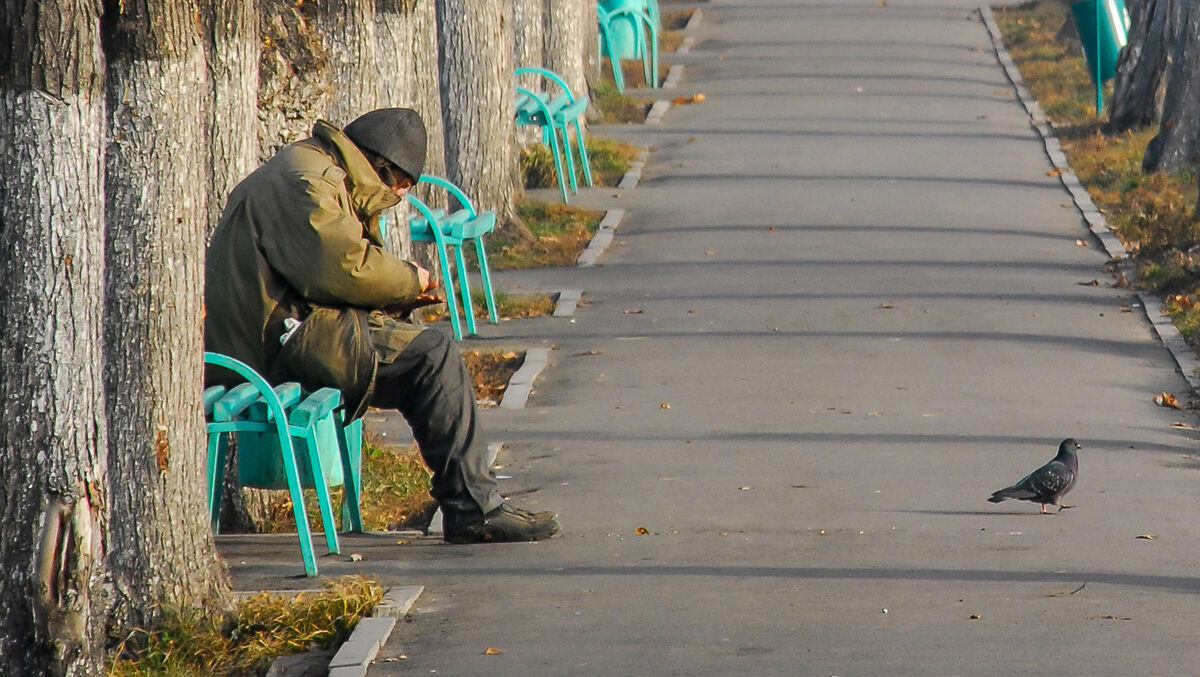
{"x": 846, "y": 303}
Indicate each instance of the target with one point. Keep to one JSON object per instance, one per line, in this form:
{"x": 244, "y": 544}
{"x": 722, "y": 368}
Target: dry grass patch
{"x": 560, "y": 234}
{"x": 1152, "y": 214}
{"x": 263, "y": 628}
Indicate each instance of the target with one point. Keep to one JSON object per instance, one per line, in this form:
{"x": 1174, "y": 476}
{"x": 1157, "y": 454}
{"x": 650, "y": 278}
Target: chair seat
{"x": 457, "y": 227}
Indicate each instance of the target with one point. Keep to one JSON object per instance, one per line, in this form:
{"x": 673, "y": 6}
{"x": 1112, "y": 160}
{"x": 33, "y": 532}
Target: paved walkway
{"x": 846, "y": 304}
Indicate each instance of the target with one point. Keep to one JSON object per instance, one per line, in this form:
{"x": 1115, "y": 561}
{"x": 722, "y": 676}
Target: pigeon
{"x": 1047, "y": 484}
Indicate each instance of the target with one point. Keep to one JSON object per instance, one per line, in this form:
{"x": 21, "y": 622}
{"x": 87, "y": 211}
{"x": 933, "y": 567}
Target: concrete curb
{"x": 521, "y": 383}
{"x": 1164, "y": 328}
{"x": 602, "y": 239}
{"x": 654, "y": 117}
{"x": 568, "y": 299}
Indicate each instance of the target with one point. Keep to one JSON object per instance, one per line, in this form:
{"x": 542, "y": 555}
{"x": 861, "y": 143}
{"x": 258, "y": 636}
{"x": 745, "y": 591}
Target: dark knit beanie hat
{"x": 395, "y": 134}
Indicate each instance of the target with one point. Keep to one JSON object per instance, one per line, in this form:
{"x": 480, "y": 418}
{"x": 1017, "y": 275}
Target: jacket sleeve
{"x": 317, "y": 245}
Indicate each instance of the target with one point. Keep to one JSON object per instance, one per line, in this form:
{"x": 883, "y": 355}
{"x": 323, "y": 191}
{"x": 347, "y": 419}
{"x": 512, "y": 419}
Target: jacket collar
{"x": 368, "y": 194}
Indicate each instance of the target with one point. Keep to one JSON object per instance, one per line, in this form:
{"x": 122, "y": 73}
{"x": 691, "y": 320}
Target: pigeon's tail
{"x": 1017, "y": 492}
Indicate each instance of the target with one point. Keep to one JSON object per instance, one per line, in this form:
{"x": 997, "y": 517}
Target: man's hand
{"x": 424, "y": 278}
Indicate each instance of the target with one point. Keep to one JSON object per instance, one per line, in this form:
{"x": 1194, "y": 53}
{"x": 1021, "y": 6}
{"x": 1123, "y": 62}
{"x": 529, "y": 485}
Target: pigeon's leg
{"x": 1065, "y": 507}
{"x": 1044, "y": 510}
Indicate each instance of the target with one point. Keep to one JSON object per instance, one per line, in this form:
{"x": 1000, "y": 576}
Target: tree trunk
{"x": 1140, "y": 68}
{"x": 162, "y": 552}
{"x": 1178, "y": 141}
{"x": 347, "y": 27}
{"x": 529, "y": 31}
{"x": 529, "y": 40}
{"x": 233, "y": 127}
{"x": 406, "y": 31}
{"x": 476, "y": 71}
{"x": 567, "y": 39}
{"x": 52, "y": 435}
{"x": 293, "y": 83}
{"x": 591, "y": 44}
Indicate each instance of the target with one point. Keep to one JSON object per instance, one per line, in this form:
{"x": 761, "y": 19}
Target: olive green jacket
{"x": 299, "y": 238}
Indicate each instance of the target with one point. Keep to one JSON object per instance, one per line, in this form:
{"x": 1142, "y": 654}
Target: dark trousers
{"x": 430, "y": 386}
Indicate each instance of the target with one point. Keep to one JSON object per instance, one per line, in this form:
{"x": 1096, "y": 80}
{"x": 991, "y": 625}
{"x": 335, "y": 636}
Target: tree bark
{"x": 293, "y": 68}
{"x": 162, "y": 553}
{"x": 347, "y": 27}
{"x": 233, "y": 39}
{"x": 406, "y": 34}
{"x": 1140, "y": 68}
{"x": 52, "y": 435}
{"x": 567, "y": 40}
{"x": 1177, "y": 144}
{"x": 476, "y": 71}
{"x": 529, "y": 32}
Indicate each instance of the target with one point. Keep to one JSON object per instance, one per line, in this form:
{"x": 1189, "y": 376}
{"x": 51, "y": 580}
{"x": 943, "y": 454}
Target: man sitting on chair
{"x": 300, "y": 288}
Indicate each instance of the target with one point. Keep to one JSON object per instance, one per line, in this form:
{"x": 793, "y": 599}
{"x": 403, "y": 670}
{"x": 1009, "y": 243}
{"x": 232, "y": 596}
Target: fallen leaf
{"x": 404, "y": 541}
{"x": 771, "y": 229}
{"x": 588, "y": 352}
{"x": 1109, "y": 617}
{"x": 1080, "y": 243}
{"x": 974, "y": 617}
{"x": 1089, "y": 283}
{"x": 681, "y": 100}
{"x": 641, "y": 531}
{"x": 1181, "y": 424}
{"x": 883, "y": 3}
{"x": 1066, "y": 594}
{"x": 1055, "y": 171}
{"x": 491, "y": 651}
{"x": 634, "y": 311}
{"x": 355, "y": 557}
{"x": 887, "y": 305}
{"x": 664, "y": 405}
{"x": 1146, "y": 537}
{"x": 1166, "y": 399}
{"x": 1126, "y": 309}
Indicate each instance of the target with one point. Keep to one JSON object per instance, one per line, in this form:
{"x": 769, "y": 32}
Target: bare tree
{"x": 529, "y": 29}
{"x": 568, "y": 38}
{"x": 407, "y": 49}
{"x": 1140, "y": 67}
{"x": 347, "y": 28}
{"x": 161, "y": 550}
{"x": 476, "y": 70}
{"x": 233, "y": 39}
{"x": 1177, "y": 144}
{"x": 52, "y": 436}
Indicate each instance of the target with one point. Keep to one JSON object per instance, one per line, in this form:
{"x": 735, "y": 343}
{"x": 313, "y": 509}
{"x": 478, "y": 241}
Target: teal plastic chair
{"x": 320, "y": 451}
{"x": 455, "y": 229}
{"x": 629, "y": 30}
{"x": 607, "y": 48}
{"x": 555, "y": 110}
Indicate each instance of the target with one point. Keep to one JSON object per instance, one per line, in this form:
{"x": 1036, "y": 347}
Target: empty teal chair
{"x": 455, "y": 229}
{"x": 319, "y": 449}
{"x": 629, "y": 30}
{"x": 555, "y": 110}
{"x": 608, "y": 48}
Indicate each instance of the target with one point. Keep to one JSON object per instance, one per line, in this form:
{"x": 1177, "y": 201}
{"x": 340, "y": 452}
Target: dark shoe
{"x": 504, "y": 524}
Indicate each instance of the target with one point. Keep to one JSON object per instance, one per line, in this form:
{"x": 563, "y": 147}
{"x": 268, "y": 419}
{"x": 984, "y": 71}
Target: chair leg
{"x": 486, "y": 278}
{"x": 562, "y": 127}
{"x": 218, "y": 444}
{"x": 464, "y": 288}
{"x": 296, "y": 490}
{"x": 350, "y": 443}
{"x": 558, "y": 169}
{"x": 448, "y": 281}
{"x": 583, "y": 157}
{"x": 317, "y": 432}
